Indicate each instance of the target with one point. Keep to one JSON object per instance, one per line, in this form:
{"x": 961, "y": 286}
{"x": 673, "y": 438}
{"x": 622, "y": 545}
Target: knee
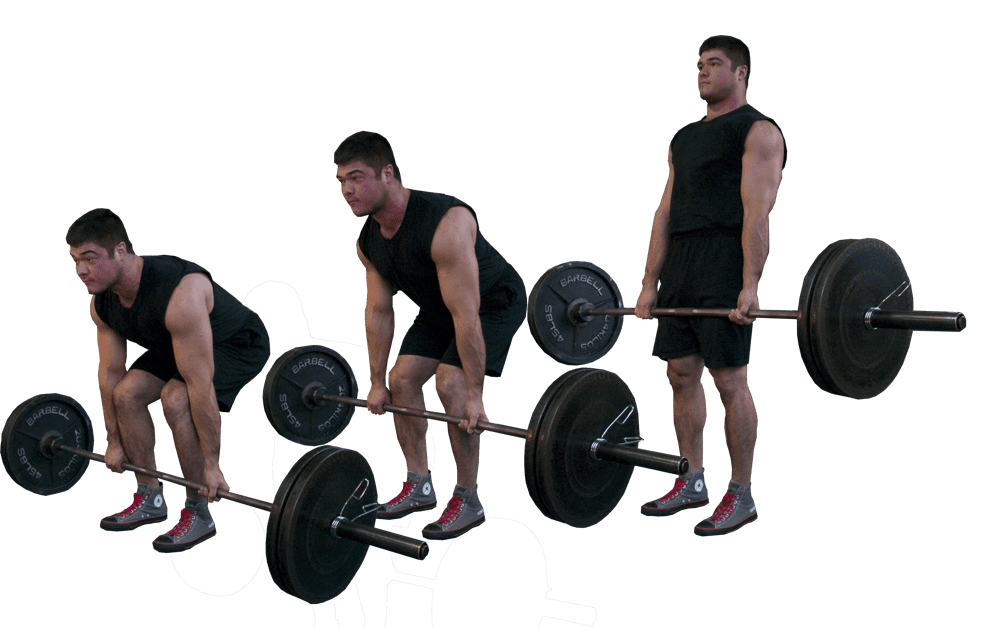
{"x": 175, "y": 403}
{"x": 127, "y": 398}
{"x": 683, "y": 380}
{"x": 731, "y": 383}
{"x": 450, "y": 385}
{"x": 401, "y": 382}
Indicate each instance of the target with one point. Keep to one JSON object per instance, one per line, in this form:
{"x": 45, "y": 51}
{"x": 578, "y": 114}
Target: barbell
{"x": 855, "y": 316}
{"x": 320, "y": 524}
{"x": 581, "y": 445}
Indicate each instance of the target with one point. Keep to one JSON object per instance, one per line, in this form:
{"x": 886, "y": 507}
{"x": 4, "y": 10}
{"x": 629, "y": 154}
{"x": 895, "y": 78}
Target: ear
{"x": 388, "y": 174}
{"x": 742, "y": 72}
{"x": 119, "y": 250}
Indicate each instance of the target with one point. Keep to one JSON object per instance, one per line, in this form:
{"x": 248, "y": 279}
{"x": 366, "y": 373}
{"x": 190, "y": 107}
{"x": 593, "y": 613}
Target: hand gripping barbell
{"x": 855, "y": 316}
{"x": 320, "y": 524}
{"x": 580, "y": 446}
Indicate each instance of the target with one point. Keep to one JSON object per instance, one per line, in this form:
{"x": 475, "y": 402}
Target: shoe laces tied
{"x": 452, "y": 511}
{"x": 137, "y": 502}
{"x": 672, "y": 494}
{"x": 184, "y": 525}
{"x": 407, "y": 488}
{"x": 725, "y": 508}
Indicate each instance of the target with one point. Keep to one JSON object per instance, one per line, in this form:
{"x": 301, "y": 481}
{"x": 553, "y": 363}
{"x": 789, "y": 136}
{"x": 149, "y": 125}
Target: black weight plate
{"x": 808, "y": 356}
{"x": 575, "y": 488}
{"x": 552, "y": 328}
{"x": 276, "y": 569}
{"x": 22, "y": 457}
{"x": 859, "y": 362}
{"x": 290, "y": 416}
{"x": 531, "y": 481}
{"x": 314, "y": 565}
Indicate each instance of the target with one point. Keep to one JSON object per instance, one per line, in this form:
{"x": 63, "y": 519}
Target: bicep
{"x": 112, "y": 346}
{"x": 763, "y": 160}
{"x": 188, "y": 321}
{"x": 456, "y": 262}
{"x": 379, "y": 290}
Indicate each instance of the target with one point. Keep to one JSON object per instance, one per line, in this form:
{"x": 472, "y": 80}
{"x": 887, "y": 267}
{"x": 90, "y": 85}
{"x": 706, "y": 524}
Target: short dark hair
{"x": 369, "y": 148}
{"x": 735, "y": 49}
{"x": 100, "y": 226}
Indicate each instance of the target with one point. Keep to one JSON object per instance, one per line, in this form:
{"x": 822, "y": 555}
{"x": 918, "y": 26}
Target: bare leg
{"x": 406, "y": 381}
{"x": 131, "y": 396}
{"x": 452, "y": 388}
{"x": 689, "y": 405}
{"x": 177, "y": 411}
{"x": 741, "y": 420}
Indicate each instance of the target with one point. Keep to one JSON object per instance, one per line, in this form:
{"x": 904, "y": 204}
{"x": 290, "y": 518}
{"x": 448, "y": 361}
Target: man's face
{"x": 98, "y": 269}
{"x": 717, "y": 76}
{"x": 364, "y": 193}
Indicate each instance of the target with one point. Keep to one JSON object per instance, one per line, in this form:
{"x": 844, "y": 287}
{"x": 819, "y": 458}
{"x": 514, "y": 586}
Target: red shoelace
{"x": 725, "y": 508}
{"x": 407, "y": 488}
{"x": 182, "y": 527}
{"x": 137, "y": 502}
{"x": 672, "y": 494}
{"x": 452, "y": 511}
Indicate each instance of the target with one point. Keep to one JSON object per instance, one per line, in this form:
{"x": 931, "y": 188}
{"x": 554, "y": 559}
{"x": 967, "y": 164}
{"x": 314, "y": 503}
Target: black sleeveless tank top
{"x": 143, "y": 322}
{"x": 707, "y": 160}
{"x": 405, "y": 261}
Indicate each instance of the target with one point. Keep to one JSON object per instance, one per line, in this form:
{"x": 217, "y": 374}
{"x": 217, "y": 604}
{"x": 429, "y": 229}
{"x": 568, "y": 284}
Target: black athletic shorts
{"x": 703, "y": 269}
{"x": 237, "y": 361}
{"x": 502, "y": 313}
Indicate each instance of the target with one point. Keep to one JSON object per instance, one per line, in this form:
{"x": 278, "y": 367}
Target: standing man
{"x": 708, "y": 244}
{"x": 471, "y": 303}
{"x": 202, "y": 346}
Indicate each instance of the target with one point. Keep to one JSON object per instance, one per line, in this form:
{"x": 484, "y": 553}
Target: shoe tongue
{"x": 460, "y": 491}
{"x": 142, "y": 488}
{"x": 412, "y": 476}
{"x": 735, "y": 487}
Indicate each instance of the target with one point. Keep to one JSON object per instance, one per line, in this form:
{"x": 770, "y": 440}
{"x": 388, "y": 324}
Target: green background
{"x": 209, "y": 128}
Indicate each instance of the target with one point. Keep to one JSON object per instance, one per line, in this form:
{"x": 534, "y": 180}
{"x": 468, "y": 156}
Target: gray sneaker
{"x": 417, "y": 494}
{"x": 463, "y": 512}
{"x": 689, "y": 492}
{"x": 735, "y": 511}
{"x": 148, "y": 507}
{"x": 195, "y": 526}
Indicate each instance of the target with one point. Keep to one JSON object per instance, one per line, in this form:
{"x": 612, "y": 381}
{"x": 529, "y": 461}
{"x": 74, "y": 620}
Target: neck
{"x": 390, "y": 216}
{"x": 733, "y": 102}
{"x": 129, "y": 281}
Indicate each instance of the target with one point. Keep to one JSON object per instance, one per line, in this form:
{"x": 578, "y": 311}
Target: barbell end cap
{"x": 334, "y": 526}
{"x": 424, "y": 551}
{"x": 683, "y": 466}
{"x": 575, "y": 311}
{"x": 48, "y": 444}
{"x": 961, "y": 321}
{"x": 593, "y": 448}
{"x": 310, "y": 395}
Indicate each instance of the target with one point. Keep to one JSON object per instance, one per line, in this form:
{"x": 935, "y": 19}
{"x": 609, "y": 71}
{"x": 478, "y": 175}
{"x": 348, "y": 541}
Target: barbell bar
{"x": 855, "y": 316}
{"x": 309, "y": 398}
{"x": 314, "y": 543}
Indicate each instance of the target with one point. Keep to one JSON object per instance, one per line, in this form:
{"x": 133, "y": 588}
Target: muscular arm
{"x": 112, "y": 368}
{"x": 657, "y": 248}
{"x": 763, "y": 158}
{"x": 187, "y": 319}
{"x": 457, "y": 269}
{"x": 379, "y": 329}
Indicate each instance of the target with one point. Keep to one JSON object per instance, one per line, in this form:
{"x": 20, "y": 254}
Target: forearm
{"x": 207, "y": 419}
{"x": 657, "y": 250}
{"x": 470, "y": 346}
{"x": 756, "y": 244}
{"x": 379, "y": 329}
{"x": 108, "y": 379}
